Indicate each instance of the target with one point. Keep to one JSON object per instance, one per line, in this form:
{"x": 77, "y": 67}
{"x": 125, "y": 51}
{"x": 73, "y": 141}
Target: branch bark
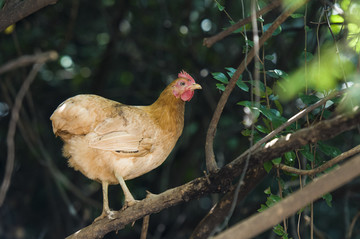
{"x": 260, "y": 222}
{"x": 220, "y": 211}
{"x": 221, "y": 181}
{"x": 14, "y": 13}
{"x": 209, "y": 144}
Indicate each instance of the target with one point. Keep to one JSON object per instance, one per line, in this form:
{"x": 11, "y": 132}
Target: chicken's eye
{"x": 182, "y": 83}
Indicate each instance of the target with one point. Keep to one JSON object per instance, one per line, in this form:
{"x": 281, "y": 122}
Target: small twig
{"x": 145, "y": 227}
{"x": 28, "y": 60}
{"x": 208, "y": 42}
{"x": 12, "y": 129}
{"x": 209, "y": 150}
{"x": 323, "y": 167}
{"x": 352, "y": 225}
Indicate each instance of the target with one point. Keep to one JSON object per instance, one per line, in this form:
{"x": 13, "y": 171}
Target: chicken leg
{"x": 106, "y": 212}
{"x": 129, "y": 199}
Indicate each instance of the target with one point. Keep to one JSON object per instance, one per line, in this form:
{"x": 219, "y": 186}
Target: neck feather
{"x": 168, "y": 112}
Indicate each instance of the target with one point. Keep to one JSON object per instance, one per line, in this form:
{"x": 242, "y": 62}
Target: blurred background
{"x": 129, "y": 51}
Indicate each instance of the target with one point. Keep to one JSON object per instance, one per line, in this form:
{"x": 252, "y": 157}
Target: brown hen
{"x": 111, "y": 142}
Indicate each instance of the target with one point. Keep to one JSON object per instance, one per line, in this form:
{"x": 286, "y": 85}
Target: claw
{"x": 109, "y": 214}
{"x": 129, "y": 204}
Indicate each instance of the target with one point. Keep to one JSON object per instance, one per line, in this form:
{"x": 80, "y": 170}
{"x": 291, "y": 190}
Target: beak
{"x": 195, "y": 87}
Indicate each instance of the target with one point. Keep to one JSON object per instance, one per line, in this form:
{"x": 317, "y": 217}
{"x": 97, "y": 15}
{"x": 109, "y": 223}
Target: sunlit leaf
{"x": 321, "y": 75}
{"x": 220, "y": 77}
{"x": 220, "y": 86}
{"x": 276, "y": 73}
{"x": 336, "y": 23}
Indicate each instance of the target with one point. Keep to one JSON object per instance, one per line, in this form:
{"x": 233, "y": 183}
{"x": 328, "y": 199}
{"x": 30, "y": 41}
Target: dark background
{"x": 129, "y": 51}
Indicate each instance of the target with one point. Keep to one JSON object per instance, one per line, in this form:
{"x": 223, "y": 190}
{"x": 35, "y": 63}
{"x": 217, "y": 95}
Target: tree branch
{"x": 323, "y": 167}
{"x": 220, "y": 211}
{"x": 208, "y": 42}
{"x": 260, "y": 222}
{"x": 209, "y": 149}
{"x": 28, "y": 60}
{"x": 221, "y": 181}
{"x": 14, "y": 13}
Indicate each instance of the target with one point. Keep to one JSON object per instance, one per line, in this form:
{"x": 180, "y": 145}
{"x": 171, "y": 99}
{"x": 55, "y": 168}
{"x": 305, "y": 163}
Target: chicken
{"x": 112, "y": 142}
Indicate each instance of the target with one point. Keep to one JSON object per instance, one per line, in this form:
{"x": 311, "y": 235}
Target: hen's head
{"x": 184, "y": 86}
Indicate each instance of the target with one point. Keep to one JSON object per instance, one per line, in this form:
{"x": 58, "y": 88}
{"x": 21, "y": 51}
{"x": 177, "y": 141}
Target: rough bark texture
{"x": 13, "y": 13}
{"x": 222, "y": 181}
{"x": 260, "y": 222}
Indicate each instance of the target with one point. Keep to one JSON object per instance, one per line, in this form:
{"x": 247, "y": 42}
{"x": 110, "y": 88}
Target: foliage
{"x": 128, "y": 51}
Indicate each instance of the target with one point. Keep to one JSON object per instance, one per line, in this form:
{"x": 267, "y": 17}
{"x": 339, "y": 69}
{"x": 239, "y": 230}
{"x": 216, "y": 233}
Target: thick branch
{"x": 260, "y": 222}
{"x": 221, "y": 181}
{"x": 209, "y": 149}
{"x": 14, "y": 13}
{"x": 208, "y": 42}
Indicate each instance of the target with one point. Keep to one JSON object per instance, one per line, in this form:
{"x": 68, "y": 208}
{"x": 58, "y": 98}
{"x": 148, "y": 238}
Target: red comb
{"x": 184, "y": 74}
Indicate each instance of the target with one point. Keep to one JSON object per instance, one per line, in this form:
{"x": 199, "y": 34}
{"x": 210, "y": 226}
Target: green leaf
{"x": 245, "y": 103}
{"x": 279, "y": 106}
{"x": 268, "y": 166}
{"x": 261, "y": 85}
{"x": 262, "y": 208}
{"x": 276, "y": 32}
{"x": 239, "y": 82}
{"x": 290, "y": 157}
{"x": 276, "y": 73}
{"x": 220, "y": 86}
{"x": 309, "y": 56}
{"x": 270, "y": 57}
{"x": 220, "y": 77}
{"x": 322, "y": 76}
{"x": 328, "y": 199}
{"x": 267, "y": 191}
{"x": 329, "y": 150}
{"x": 246, "y": 132}
{"x": 307, "y": 154}
{"x": 297, "y": 15}
{"x": 242, "y": 85}
{"x": 276, "y": 161}
{"x": 262, "y": 129}
{"x": 279, "y": 230}
{"x": 220, "y": 7}
{"x": 309, "y": 99}
{"x": 272, "y": 199}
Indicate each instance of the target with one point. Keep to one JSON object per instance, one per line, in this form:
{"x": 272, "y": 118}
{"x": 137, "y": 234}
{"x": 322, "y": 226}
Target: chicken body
{"x": 111, "y": 142}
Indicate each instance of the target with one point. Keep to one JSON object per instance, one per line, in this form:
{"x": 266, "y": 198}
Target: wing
{"x": 122, "y": 134}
